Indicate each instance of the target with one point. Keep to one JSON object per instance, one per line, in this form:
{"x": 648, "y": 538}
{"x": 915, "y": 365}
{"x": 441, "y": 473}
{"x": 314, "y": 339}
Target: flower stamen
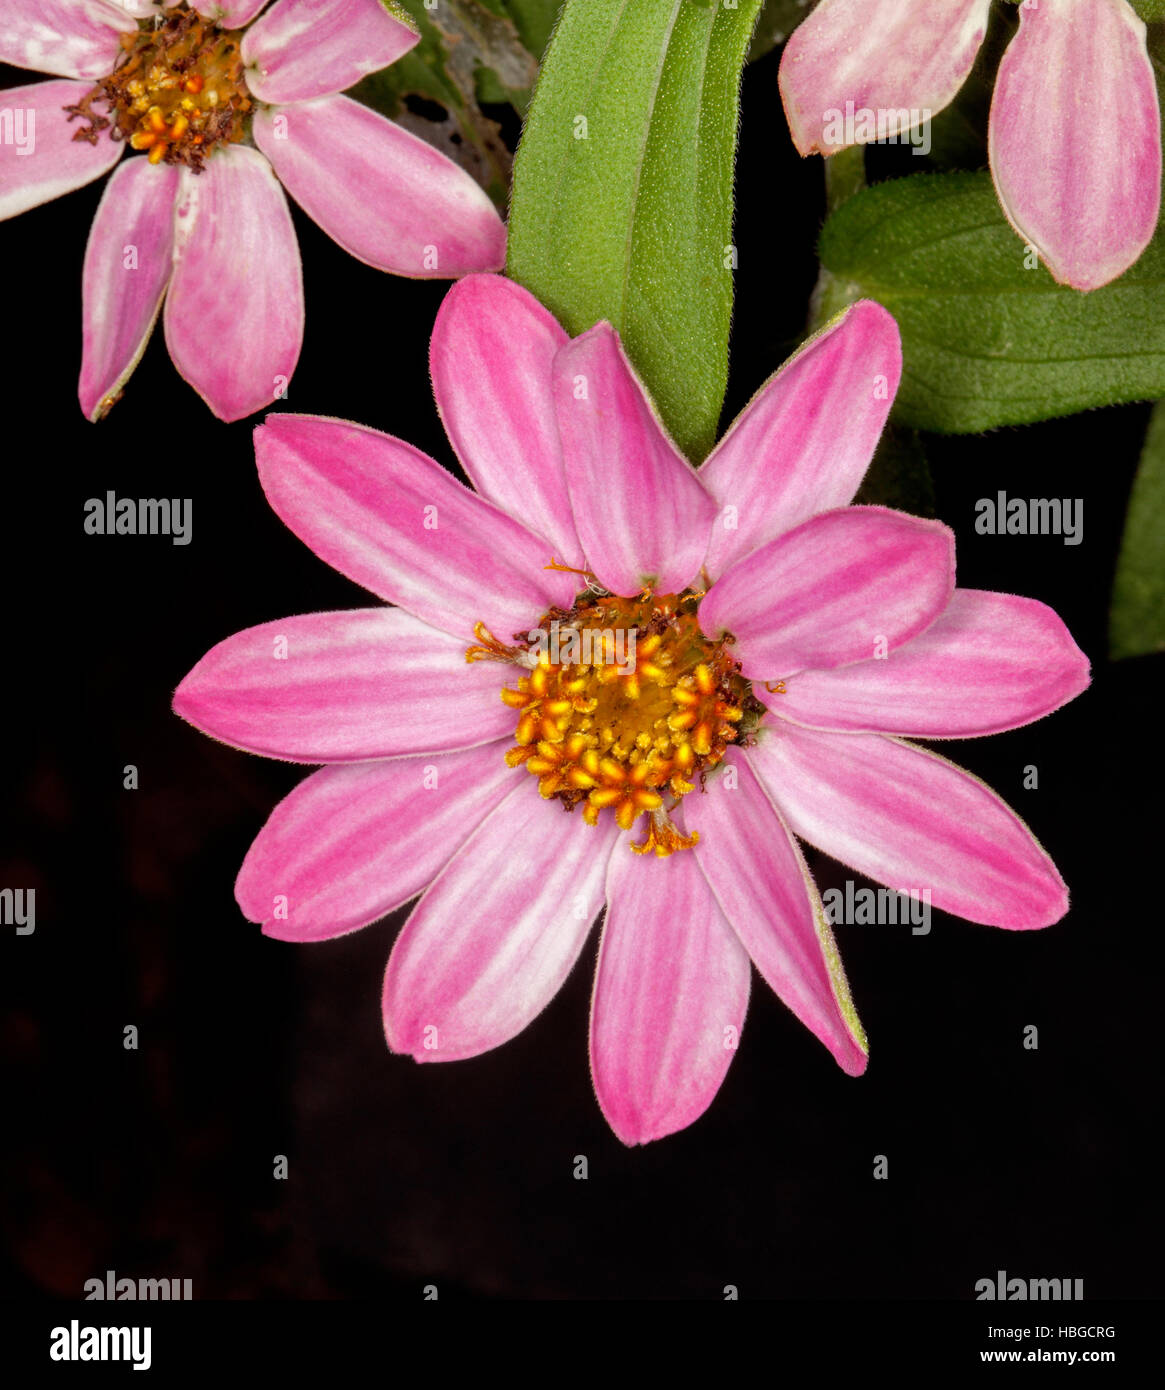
{"x": 624, "y": 706}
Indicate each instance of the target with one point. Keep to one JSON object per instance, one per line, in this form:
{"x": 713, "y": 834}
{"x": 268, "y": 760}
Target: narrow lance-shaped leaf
{"x": 622, "y": 202}
{"x": 988, "y": 337}
{"x": 1137, "y": 619}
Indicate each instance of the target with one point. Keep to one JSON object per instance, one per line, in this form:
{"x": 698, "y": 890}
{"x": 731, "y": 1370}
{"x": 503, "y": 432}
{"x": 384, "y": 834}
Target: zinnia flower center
{"x": 625, "y": 707}
{"x": 177, "y": 91}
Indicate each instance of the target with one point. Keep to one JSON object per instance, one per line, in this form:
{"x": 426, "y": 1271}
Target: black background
{"x": 159, "y": 1162}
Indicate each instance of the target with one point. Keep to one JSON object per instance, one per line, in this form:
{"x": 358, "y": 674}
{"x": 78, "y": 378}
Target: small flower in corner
{"x": 224, "y": 104}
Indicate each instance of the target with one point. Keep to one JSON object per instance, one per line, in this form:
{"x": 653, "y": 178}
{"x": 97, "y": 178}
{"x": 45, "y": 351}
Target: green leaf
{"x": 622, "y": 201}
{"x": 1150, "y": 10}
{"x": 988, "y": 341}
{"x": 472, "y": 53}
{"x": 1137, "y": 617}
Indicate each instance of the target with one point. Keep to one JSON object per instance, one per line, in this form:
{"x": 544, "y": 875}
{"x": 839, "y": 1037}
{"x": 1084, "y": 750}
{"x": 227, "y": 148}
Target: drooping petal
{"x": 671, "y": 991}
{"x": 42, "y": 160}
{"x": 839, "y": 588}
{"x": 392, "y": 520}
{"x": 234, "y": 314}
{"x": 495, "y": 936}
{"x": 803, "y": 443}
{"x": 895, "y": 58}
{"x": 127, "y": 269}
{"x": 310, "y": 48}
{"x": 351, "y": 844}
{"x": 764, "y": 888}
{"x": 911, "y": 820}
{"x": 1075, "y": 138}
{"x": 642, "y": 515}
{"x": 229, "y": 14}
{"x": 342, "y": 687}
{"x": 385, "y": 195}
{"x": 491, "y": 358}
{"x": 68, "y": 38}
{"x": 990, "y": 662}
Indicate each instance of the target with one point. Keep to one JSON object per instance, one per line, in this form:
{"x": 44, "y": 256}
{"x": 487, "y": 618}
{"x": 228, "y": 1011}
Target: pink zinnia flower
{"x": 224, "y": 107}
{"x": 502, "y": 789}
{"x": 1075, "y": 130}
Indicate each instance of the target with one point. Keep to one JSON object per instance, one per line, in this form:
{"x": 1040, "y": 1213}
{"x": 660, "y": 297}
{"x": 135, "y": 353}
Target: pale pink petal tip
{"x": 911, "y": 820}
{"x": 643, "y": 516}
{"x": 854, "y": 63}
{"x": 848, "y": 585}
{"x": 497, "y": 933}
{"x": 68, "y": 38}
{"x": 234, "y": 315}
{"x": 671, "y": 992}
{"x": 991, "y": 662}
{"x": 301, "y": 49}
{"x": 127, "y": 269}
{"x": 803, "y": 443}
{"x": 386, "y": 196}
{"x": 399, "y": 524}
{"x": 40, "y": 160}
{"x": 343, "y": 687}
{"x": 759, "y": 877}
{"x": 492, "y": 359}
{"x": 348, "y": 846}
{"x": 1075, "y": 138}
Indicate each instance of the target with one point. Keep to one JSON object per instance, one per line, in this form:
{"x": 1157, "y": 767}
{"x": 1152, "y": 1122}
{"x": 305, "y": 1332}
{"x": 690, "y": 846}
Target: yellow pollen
{"x": 168, "y": 60}
{"x": 623, "y": 706}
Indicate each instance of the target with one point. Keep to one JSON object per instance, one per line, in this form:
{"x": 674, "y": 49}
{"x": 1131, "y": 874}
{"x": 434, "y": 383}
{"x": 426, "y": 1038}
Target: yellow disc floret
{"x": 624, "y": 706}
{"x": 177, "y": 91}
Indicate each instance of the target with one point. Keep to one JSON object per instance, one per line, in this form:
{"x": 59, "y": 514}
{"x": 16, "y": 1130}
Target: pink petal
{"x": 671, "y": 992}
{"x": 911, "y": 820}
{"x": 491, "y": 357}
{"x": 803, "y": 443}
{"x": 764, "y": 888}
{"x": 880, "y": 55}
{"x": 351, "y": 844}
{"x": 392, "y": 520}
{"x": 642, "y": 514}
{"x": 310, "y": 48}
{"x": 385, "y": 195}
{"x": 127, "y": 269}
{"x": 833, "y": 590}
{"x": 1075, "y": 138}
{"x": 146, "y": 9}
{"x": 52, "y": 162}
{"x": 365, "y": 683}
{"x": 990, "y": 662}
{"x": 229, "y": 14}
{"x": 69, "y": 38}
{"x": 493, "y": 939}
{"x": 234, "y": 314}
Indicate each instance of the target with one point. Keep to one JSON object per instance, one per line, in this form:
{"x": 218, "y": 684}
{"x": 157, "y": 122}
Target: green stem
{"x": 845, "y": 175}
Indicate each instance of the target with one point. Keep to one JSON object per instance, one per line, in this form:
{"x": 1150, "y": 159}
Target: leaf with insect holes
{"x": 988, "y": 336}
{"x": 622, "y": 203}
{"x": 473, "y": 54}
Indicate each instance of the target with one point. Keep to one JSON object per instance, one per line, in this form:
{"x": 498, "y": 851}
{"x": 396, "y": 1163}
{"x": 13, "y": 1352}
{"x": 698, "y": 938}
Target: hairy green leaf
{"x": 622, "y": 202}
{"x": 988, "y": 337}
